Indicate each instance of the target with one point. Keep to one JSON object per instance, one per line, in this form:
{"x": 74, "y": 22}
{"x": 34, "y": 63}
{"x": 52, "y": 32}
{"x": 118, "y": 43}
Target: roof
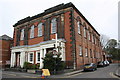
{"x": 53, "y": 9}
{"x": 5, "y": 37}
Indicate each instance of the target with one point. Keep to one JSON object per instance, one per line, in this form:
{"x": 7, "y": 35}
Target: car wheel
{"x": 93, "y": 70}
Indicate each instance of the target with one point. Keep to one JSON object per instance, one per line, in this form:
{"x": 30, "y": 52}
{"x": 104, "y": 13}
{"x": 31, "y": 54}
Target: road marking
{"x": 9, "y": 74}
{"x": 71, "y": 75}
{"x": 111, "y": 74}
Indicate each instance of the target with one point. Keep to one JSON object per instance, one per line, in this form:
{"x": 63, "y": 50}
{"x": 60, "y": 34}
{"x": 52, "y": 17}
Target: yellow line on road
{"x": 112, "y": 75}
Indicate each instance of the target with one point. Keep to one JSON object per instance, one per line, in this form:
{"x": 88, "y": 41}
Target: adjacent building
{"x": 62, "y": 26}
{"x": 5, "y": 52}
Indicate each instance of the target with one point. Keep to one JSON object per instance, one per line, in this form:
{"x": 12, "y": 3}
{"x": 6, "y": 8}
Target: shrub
{"x": 26, "y": 65}
{"x": 53, "y": 63}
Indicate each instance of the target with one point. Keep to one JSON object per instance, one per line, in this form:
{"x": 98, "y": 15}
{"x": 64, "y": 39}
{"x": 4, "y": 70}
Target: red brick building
{"x": 35, "y": 36}
{"x": 5, "y": 43}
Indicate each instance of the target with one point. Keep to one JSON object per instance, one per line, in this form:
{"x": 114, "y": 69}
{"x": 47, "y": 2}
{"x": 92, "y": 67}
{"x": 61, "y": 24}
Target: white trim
{"x": 29, "y": 57}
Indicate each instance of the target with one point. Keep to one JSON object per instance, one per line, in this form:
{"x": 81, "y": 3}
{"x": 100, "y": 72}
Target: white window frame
{"x": 37, "y": 57}
{"x": 80, "y": 52}
{"x": 29, "y": 57}
{"x": 53, "y": 26}
{"x": 32, "y": 32}
{"x": 86, "y": 52}
{"x": 78, "y": 24}
{"x": 40, "y": 33}
{"x": 22, "y": 34}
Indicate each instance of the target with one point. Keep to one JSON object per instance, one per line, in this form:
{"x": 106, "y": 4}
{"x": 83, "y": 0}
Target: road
{"x": 106, "y": 72}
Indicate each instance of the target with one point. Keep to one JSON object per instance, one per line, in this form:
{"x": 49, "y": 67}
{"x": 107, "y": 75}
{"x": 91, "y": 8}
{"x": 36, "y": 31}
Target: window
{"x": 80, "y": 51}
{"x": 32, "y": 32}
{"x": 31, "y": 57}
{"x": 89, "y": 35}
{"x": 22, "y": 35}
{"x": 53, "y": 25}
{"x": 40, "y": 29}
{"x": 84, "y": 32}
{"x": 78, "y": 24}
{"x": 93, "y": 38}
{"x": 38, "y": 57}
{"x": 86, "y": 52}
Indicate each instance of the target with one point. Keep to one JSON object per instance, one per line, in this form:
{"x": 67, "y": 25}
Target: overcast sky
{"x": 102, "y": 14}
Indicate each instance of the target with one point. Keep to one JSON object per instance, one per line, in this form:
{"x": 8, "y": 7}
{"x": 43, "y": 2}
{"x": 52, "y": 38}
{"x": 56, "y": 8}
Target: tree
{"x": 112, "y": 49}
{"x": 112, "y": 43}
{"x": 104, "y": 40}
{"x": 52, "y": 63}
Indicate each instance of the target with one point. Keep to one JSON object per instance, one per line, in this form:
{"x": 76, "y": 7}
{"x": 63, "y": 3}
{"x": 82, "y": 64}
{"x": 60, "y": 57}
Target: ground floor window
{"x": 31, "y": 57}
{"x": 37, "y": 57}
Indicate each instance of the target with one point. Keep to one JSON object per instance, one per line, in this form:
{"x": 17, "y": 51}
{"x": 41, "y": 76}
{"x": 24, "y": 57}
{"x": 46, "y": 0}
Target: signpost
{"x": 45, "y": 73}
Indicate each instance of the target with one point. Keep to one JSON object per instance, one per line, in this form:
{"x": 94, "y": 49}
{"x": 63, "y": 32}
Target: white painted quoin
{"x": 34, "y": 53}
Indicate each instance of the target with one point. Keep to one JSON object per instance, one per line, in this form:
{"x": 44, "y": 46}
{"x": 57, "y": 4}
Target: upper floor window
{"x": 78, "y": 24}
{"x": 93, "y": 38}
{"x": 40, "y": 29}
{"x": 80, "y": 51}
{"x": 53, "y": 25}
{"x": 32, "y": 32}
{"x": 86, "y": 52}
{"x": 89, "y": 35}
{"x": 22, "y": 35}
{"x": 84, "y": 32}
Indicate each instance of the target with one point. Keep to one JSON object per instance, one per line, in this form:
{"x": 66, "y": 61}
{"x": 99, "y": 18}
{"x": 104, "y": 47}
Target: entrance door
{"x": 18, "y": 59}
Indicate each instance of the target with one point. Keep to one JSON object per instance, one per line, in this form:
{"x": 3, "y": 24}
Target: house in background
{"x": 5, "y": 52}
{"x": 35, "y": 36}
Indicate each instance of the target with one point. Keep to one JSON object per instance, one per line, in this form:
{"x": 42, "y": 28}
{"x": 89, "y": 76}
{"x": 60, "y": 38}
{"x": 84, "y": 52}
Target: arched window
{"x": 32, "y": 32}
{"x": 85, "y": 31}
{"x": 40, "y": 29}
{"x": 78, "y": 24}
{"x": 53, "y": 25}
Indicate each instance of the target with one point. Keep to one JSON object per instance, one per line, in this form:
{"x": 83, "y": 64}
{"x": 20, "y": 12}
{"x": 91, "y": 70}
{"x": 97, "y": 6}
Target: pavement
{"x": 66, "y": 74}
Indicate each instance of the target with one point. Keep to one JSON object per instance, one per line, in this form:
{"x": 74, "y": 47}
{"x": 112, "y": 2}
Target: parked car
{"x": 90, "y": 67}
{"x": 107, "y": 63}
{"x": 100, "y": 64}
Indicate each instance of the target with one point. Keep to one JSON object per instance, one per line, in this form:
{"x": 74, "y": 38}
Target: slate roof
{"x": 5, "y": 37}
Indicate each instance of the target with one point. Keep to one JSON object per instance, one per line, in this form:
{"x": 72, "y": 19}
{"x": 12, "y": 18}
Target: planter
{"x": 39, "y": 72}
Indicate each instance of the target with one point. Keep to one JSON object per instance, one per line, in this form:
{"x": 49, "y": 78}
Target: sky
{"x": 102, "y": 14}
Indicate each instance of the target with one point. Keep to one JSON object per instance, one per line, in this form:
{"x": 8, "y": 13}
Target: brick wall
{"x": 5, "y": 49}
